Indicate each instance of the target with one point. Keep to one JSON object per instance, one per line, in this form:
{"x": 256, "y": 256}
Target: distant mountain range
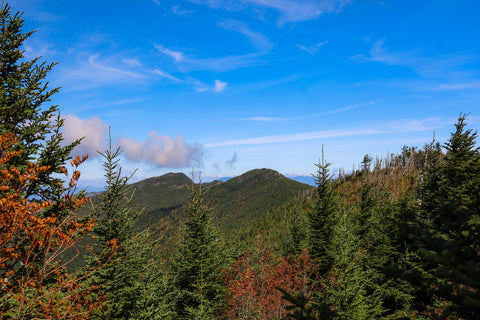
{"x": 236, "y": 202}
{"x": 303, "y": 179}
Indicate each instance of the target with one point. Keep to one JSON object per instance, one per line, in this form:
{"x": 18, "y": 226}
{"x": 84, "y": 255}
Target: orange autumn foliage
{"x": 254, "y": 277}
{"x": 33, "y": 235}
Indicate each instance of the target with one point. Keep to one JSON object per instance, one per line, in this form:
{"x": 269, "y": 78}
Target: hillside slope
{"x": 236, "y": 202}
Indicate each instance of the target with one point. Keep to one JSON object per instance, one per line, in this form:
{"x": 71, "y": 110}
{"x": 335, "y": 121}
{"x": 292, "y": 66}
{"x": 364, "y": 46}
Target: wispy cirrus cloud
{"x": 293, "y": 11}
{"x": 132, "y": 62}
{"x": 259, "y": 40}
{"x": 456, "y": 86}
{"x": 444, "y": 72}
{"x": 289, "y": 10}
{"x": 93, "y": 62}
{"x": 378, "y": 53}
{"x": 313, "y": 48}
{"x": 294, "y": 137}
{"x": 398, "y": 126}
{"x": 176, "y": 10}
{"x": 176, "y": 55}
{"x": 92, "y": 71}
{"x": 102, "y": 104}
{"x": 265, "y": 119}
{"x": 188, "y": 63}
{"x": 34, "y": 49}
{"x": 166, "y": 75}
{"x": 313, "y": 115}
{"x": 199, "y": 86}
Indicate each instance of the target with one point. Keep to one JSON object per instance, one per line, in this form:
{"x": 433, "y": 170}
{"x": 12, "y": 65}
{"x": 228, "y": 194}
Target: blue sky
{"x": 227, "y": 86}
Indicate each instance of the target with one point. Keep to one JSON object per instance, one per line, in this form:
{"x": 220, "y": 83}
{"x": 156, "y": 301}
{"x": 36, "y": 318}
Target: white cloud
{"x": 314, "y": 115}
{"x": 176, "y": 55}
{"x": 162, "y": 151}
{"x": 446, "y": 66}
{"x": 312, "y": 49}
{"x": 231, "y": 163}
{"x": 92, "y": 130}
{"x": 91, "y": 72}
{"x": 92, "y": 61}
{"x": 378, "y": 53}
{"x": 201, "y": 87}
{"x": 179, "y": 12}
{"x": 187, "y": 63}
{"x": 398, "y": 126}
{"x": 225, "y": 63}
{"x": 256, "y": 38}
{"x": 219, "y": 86}
{"x": 35, "y": 49}
{"x": 457, "y": 86}
{"x": 264, "y": 119}
{"x": 132, "y": 62}
{"x": 293, "y": 10}
{"x": 289, "y": 10}
{"x": 166, "y": 75}
{"x": 452, "y": 70}
{"x": 294, "y": 137}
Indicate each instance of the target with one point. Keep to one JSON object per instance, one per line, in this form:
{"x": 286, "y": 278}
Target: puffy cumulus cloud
{"x": 162, "y": 151}
{"x": 92, "y": 130}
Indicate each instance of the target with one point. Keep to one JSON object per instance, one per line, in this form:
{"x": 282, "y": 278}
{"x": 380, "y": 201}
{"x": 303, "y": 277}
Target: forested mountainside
{"x": 235, "y": 203}
{"x": 399, "y": 238}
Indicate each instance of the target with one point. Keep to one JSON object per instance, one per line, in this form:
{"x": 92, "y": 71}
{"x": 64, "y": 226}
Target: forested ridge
{"x": 397, "y": 238}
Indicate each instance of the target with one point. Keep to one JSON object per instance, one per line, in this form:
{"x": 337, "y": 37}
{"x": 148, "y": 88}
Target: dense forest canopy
{"x": 397, "y": 238}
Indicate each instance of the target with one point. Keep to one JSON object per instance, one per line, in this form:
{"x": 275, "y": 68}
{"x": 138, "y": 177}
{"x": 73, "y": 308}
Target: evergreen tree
{"x": 157, "y": 294}
{"x": 321, "y": 218}
{"x": 119, "y": 278}
{"x": 37, "y": 131}
{"x": 23, "y": 94}
{"x": 450, "y": 243}
{"x": 350, "y": 285}
{"x": 410, "y": 271}
{"x": 197, "y": 265}
{"x": 302, "y": 308}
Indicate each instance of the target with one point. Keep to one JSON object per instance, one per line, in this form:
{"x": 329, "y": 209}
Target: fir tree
{"x": 321, "y": 218}
{"x": 23, "y": 94}
{"x": 119, "y": 278}
{"x": 197, "y": 265}
{"x": 450, "y": 243}
{"x": 411, "y": 270}
{"x": 37, "y": 131}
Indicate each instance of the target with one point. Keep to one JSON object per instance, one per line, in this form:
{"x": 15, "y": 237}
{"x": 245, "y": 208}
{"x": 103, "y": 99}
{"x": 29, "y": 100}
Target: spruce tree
{"x": 412, "y": 272}
{"x": 122, "y": 251}
{"x": 197, "y": 264}
{"x": 450, "y": 243}
{"x": 23, "y": 95}
{"x": 321, "y": 218}
{"x": 321, "y": 222}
